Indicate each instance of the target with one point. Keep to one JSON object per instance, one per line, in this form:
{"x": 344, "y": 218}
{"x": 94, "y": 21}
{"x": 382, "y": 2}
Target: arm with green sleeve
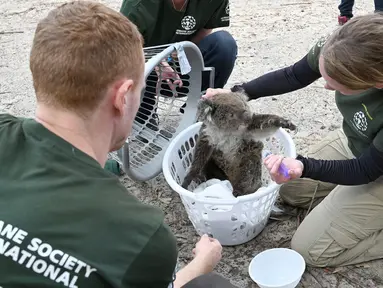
{"x": 220, "y": 18}
{"x": 142, "y": 13}
{"x": 155, "y": 265}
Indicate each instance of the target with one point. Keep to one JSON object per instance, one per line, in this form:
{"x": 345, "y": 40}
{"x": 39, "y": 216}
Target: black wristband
{"x": 237, "y": 88}
{"x": 305, "y": 165}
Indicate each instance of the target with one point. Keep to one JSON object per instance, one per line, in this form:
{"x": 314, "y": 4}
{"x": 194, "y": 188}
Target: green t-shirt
{"x": 66, "y": 222}
{"x": 362, "y": 113}
{"x": 160, "y": 23}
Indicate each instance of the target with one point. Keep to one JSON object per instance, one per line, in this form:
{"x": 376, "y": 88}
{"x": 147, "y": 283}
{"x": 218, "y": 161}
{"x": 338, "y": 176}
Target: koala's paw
{"x": 287, "y": 124}
{"x": 197, "y": 179}
{"x": 185, "y": 184}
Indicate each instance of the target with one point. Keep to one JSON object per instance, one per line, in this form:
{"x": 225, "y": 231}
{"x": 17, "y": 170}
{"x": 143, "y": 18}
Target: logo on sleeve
{"x": 360, "y": 121}
{"x": 188, "y": 24}
{"x": 226, "y": 18}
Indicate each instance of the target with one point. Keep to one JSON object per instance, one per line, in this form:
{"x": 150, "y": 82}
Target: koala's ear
{"x": 206, "y": 102}
{"x": 206, "y": 106}
{"x": 246, "y": 116}
{"x": 243, "y": 96}
{"x": 208, "y": 109}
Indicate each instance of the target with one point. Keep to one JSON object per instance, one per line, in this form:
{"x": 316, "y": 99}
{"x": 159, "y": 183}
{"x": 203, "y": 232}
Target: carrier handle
{"x": 212, "y": 75}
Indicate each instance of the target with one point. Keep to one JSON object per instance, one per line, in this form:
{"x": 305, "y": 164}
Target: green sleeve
{"x": 378, "y": 141}
{"x": 155, "y": 266}
{"x": 6, "y": 119}
{"x": 221, "y": 17}
{"x": 141, "y": 13}
{"x": 314, "y": 53}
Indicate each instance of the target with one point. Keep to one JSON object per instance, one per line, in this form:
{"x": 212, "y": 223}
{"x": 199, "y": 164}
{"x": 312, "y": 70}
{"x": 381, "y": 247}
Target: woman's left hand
{"x": 210, "y": 92}
{"x": 273, "y": 163}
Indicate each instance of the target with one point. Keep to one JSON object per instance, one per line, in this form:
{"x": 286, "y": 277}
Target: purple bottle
{"x": 282, "y": 168}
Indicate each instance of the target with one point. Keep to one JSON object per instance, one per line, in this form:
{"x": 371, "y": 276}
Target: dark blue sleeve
{"x": 362, "y": 170}
{"x": 294, "y": 77}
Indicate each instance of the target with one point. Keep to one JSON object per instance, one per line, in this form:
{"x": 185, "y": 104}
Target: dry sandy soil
{"x": 270, "y": 35}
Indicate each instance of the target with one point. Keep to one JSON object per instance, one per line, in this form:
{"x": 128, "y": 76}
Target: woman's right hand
{"x": 208, "y": 253}
{"x": 211, "y": 92}
{"x": 293, "y": 166}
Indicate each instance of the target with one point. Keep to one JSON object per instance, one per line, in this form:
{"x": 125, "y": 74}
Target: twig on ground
{"x": 312, "y": 200}
{"x": 296, "y": 3}
{"x": 21, "y": 12}
{"x": 275, "y": 218}
{"x": 292, "y": 103}
{"x": 10, "y": 32}
{"x": 284, "y": 242}
{"x": 181, "y": 236}
{"x": 6, "y": 92}
{"x": 309, "y": 271}
{"x": 349, "y": 280}
{"x": 300, "y": 216}
{"x": 374, "y": 278}
{"x": 298, "y": 221}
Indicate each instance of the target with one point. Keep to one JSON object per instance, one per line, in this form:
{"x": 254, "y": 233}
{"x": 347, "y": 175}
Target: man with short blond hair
{"x": 65, "y": 221}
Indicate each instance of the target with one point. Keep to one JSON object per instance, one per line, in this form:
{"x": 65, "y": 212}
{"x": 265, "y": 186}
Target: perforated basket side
{"x": 180, "y": 152}
{"x": 231, "y": 221}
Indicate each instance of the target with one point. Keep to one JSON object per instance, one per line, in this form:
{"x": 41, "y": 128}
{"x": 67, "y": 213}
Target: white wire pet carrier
{"x": 232, "y": 221}
{"x": 162, "y": 113}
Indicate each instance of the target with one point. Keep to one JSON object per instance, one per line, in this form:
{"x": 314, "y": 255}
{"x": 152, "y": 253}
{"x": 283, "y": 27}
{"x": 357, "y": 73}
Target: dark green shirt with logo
{"x": 66, "y": 222}
{"x": 160, "y": 23}
{"x": 362, "y": 114}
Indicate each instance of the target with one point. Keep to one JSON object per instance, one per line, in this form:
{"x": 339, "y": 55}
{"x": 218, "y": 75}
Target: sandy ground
{"x": 270, "y": 35}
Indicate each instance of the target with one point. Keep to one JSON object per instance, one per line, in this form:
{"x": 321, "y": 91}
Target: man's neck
{"x": 179, "y": 4}
{"x": 91, "y": 136}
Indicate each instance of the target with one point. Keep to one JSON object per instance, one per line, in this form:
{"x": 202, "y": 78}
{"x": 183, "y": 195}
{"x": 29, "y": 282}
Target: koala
{"x": 230, "y": 142}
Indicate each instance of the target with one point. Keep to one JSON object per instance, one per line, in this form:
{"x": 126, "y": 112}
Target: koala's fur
{"x": 230, "y": 144}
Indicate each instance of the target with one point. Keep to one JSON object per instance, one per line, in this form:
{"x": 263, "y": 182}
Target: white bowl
{"x": 277, "y": 268}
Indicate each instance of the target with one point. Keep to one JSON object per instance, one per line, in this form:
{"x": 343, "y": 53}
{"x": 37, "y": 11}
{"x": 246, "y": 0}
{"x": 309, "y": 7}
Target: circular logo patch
{"x": 188, "y": 22}
{"x": 360, "y": 121}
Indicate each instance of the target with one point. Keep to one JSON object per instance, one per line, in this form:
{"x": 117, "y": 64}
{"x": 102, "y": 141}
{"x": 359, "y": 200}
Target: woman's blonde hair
{"x": 353, "y": 54}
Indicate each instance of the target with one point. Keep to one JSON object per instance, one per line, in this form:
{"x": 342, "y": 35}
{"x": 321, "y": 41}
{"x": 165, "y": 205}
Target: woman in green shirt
{"x": 345, "y": 169}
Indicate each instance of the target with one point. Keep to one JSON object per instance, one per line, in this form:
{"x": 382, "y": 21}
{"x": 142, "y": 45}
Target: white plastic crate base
{"x": 231, "y": 221}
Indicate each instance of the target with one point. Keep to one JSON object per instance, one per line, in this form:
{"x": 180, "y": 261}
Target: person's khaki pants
{"x": 347, "y": 226}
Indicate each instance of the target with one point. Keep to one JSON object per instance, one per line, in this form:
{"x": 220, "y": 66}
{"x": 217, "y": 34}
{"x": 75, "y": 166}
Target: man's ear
{"x": 122, "y": 91}
{"x": 379, "y": 85}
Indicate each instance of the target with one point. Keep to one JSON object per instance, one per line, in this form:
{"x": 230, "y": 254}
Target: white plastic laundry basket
{"x": 231, "y": 221}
